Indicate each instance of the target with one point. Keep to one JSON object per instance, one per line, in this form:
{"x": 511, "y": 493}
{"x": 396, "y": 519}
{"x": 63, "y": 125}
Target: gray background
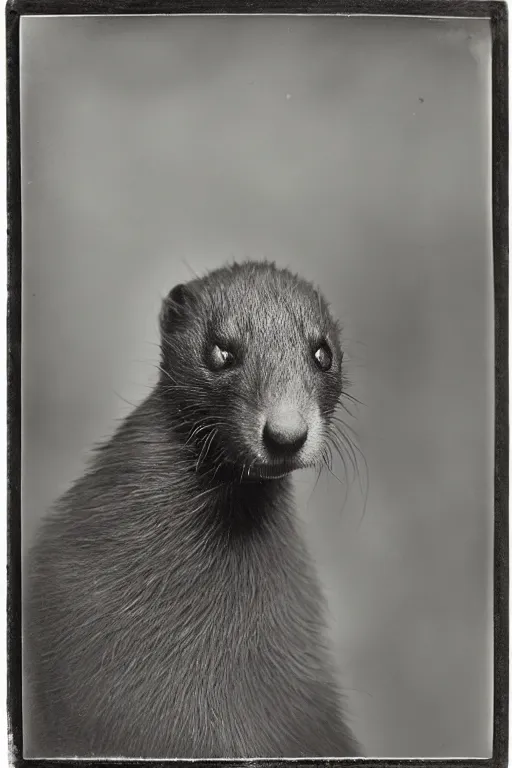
{"x": 357, "y": 151}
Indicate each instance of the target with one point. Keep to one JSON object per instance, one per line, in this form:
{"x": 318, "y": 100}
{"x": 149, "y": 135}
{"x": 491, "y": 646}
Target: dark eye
{"x": 323, "y": 357}
{"x": 221, "y": 358}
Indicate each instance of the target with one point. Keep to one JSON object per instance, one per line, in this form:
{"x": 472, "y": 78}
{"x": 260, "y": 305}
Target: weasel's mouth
{"x": 270, "y": 471}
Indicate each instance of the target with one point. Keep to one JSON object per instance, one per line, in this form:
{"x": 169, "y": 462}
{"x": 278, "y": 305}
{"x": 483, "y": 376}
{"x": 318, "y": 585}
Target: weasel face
{"x": 252, "y": 361}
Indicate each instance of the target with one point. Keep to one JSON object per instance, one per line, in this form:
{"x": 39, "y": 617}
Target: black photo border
{"x": 496, "y": 12}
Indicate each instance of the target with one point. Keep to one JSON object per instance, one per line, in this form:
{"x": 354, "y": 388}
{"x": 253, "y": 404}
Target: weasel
{"x": 173, "y": 608}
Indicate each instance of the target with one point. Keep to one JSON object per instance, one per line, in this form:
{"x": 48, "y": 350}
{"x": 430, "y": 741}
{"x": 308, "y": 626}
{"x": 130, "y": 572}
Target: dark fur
{"x": 173, "y": 608}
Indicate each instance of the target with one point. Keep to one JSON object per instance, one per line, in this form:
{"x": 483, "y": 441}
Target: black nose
{"x": 285, "y": 433}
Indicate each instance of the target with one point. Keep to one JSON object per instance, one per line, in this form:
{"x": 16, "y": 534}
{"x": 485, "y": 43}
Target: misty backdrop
{"x": 356, "y": 151}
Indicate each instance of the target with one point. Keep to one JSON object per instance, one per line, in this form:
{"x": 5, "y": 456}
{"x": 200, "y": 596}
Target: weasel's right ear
{"x": 176, "y": 308}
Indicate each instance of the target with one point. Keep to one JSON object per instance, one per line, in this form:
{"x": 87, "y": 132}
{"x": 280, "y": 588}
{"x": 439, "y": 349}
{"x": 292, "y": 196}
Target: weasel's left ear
{"x": 176, "y": 308}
